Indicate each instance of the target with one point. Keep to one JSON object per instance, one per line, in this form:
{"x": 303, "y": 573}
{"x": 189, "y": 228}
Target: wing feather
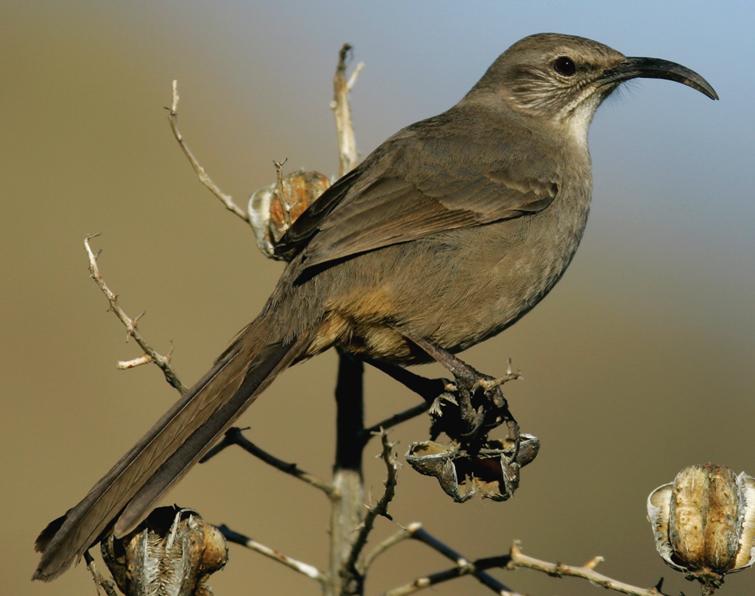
{"x": 414, "y": 185}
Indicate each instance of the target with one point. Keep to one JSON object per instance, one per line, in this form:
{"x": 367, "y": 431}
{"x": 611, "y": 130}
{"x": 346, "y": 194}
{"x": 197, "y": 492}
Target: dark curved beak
{"x": 655, "y": 68}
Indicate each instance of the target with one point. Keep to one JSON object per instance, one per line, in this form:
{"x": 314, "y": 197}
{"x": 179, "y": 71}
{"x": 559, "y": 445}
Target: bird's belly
{"x": 468, "y": 310}
{"x": 459, "y": 316}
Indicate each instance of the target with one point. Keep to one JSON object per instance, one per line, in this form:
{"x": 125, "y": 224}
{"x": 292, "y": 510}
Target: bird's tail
{"x": 125, "y": 495}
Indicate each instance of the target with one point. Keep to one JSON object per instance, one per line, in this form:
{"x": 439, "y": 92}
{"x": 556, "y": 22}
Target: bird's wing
{"x": 408, "y": 192}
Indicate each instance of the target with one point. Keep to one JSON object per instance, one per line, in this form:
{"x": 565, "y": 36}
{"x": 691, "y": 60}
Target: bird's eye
{"x": 565, "y": 66}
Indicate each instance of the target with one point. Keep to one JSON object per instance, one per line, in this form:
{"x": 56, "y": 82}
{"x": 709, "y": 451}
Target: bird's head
{"x": 564, "y": 78}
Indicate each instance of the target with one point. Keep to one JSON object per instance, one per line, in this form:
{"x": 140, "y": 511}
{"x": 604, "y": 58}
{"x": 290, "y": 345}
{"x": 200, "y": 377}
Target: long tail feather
{"x": 125, "y": 495}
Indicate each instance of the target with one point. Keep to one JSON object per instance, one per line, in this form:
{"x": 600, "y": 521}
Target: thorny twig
{"x": 204, "y": 177}
{"x": 163, "y": 362}
{"x": 347, "y": 515}
{"x": 235, "y": 436}
{"x": 517, "y": 559}
{"x": 388, "y": 456}
{"x": 304, "y": 568}
{"x": 586, "y": 571}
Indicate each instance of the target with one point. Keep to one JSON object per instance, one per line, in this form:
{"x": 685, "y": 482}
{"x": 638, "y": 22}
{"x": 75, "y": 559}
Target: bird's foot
{"x": 475, "y": 399}
{"x": 492, "y": 384}
{"x": 469, "y": 409}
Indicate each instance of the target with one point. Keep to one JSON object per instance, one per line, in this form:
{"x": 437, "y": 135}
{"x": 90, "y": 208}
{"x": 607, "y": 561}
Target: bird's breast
{"x": 512, "y": 265}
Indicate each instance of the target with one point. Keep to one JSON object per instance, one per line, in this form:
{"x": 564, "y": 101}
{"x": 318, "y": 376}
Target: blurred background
{"x": 640, "y": 361}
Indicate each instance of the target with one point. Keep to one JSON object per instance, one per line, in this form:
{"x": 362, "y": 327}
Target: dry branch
{"x": 204, "y": 177}
{"x": 235, "y": 436}
{"x": 300, "y": 567}
{"x": 348, "y": 157}
{"x": 388, "y": 456}
{"x": 397, "y": 419}
{"x": 428, "y": 539}
{"x": 587, "y": 571}
{"x": 517, "y": 559}
{"x": 163, "y": 362}
{"x": 347, "y": 512}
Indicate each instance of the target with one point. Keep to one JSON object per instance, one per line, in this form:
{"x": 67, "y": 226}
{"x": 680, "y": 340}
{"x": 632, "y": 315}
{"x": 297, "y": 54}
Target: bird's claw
{"x": 488, "y": 384}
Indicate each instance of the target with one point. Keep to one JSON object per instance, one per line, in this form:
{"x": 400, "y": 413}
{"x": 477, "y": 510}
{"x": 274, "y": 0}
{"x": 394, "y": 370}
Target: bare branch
{"x": 310, "y": 571}
{"x": 347, "y": 147}
{"x": 347, "y": 510}
{"x": 381, "y": 507}
{"x": 204, "y": 178}
{"x": 462, "y": 566}
{"x": 461, "y": 569}
{"x": 397, "y": 419}
{"x": 587, "y": 571}
{"x": 163, "y": 362}
{"x": 517, "y": 559}
{"x": 99, "y": 581}
{"x": 235, "y": 436}
{"x": 391, "y": 541}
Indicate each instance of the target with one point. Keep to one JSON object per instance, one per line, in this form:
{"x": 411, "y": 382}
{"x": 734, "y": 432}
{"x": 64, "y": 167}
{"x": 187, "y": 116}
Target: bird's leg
{"x": 479, "y": 399}
{"x": 437, "y": 393}
{"x": 428, "y": 389}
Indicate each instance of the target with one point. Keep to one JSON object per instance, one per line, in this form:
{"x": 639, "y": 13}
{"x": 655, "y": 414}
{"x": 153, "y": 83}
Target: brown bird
{"x": 449, "y": 232}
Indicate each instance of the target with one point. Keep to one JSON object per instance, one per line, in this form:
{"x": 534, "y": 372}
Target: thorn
{"x": 516, "y": 549}
{"x": 354, "y": 76}
{"x": 594, "y": 562}
{"x": 176, "y": 98}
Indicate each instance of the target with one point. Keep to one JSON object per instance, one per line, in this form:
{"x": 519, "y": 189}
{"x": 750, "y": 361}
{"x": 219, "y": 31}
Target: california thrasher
{"x": 446, "y": 234}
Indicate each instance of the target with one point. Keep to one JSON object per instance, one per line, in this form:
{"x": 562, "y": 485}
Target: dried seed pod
{"x": 490, "y": 471}
{"x": 172, "y": 552}
{"x": 704, "y": 522}
{"x": 274, "y": 208}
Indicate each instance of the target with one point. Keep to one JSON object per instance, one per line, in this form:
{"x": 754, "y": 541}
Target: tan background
{"x": 639, "y": 363}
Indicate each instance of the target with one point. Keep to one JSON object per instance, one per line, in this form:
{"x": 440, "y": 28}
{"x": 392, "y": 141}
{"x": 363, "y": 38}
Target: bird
{"x": 446, "y": 234}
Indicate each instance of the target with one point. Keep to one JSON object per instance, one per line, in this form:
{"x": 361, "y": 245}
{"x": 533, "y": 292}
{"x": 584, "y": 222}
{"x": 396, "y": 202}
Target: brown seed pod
{"x": 490, "y": 471}
{"x": 173, "y": 551}
{"x": 704, "y": 522}
{"x": 274, "y": 208}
